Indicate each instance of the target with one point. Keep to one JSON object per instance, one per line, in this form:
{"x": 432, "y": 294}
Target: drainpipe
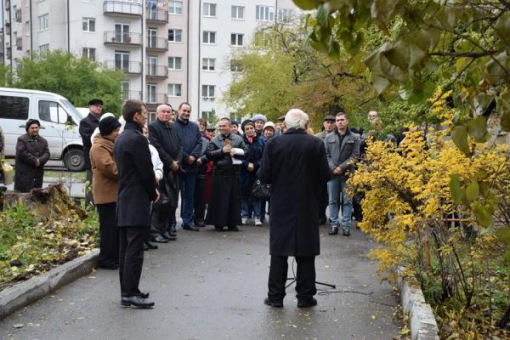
{"x": 68, "y": 27}
{"x": 199, "y": 114}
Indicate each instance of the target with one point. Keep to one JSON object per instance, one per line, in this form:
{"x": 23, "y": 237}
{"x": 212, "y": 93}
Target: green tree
{"x": 281, "y": 70}
{"x": 77, "y": 79}
{"x": 461, "y": 45}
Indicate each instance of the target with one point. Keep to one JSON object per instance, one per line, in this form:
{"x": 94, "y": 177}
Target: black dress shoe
{"x": 333, "y": 231}
{"x": 233, "y": 228}
{"x": 136, "y": 301}
{"x": 190, "y": 227}
{"x": 276, "y": 304}
{"x": 307, "y": 303}
{"x": 159, "y": 239}
{"x": 148, "y": 245}
{"x": 144, "y": 295}
{"x": 346, "y": 232}
{"x": 173, "y": 230}
{"x": 168, "y": 236}
{"x": 172, "y": 233}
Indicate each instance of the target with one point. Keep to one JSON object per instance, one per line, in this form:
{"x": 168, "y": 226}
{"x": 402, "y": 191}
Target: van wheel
{"x": 74, "y": 160}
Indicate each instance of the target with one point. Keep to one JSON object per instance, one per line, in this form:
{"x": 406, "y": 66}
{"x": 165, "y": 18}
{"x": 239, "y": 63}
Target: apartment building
{"x": 171, "y": 51}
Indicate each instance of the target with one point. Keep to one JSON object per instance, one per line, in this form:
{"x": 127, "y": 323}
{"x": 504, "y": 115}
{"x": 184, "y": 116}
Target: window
{"x": 122, "y": 61}
{"x": 238, "y": 12}
{"x": 44, "y": 48}
{"x": 89, "y": 53}
{"x": 174, "y": 90}
{"x": 264, "y": 13}
{"x": 27, "y": 28}
{"x": 89, "y": 25}
{"x": 284, "y": 15}
{"x": 175, "y": 7}
{"x": 124, "y": 86}
{"x": 209, "y": 9}
{"x": 235, "y": 65}
{"x": 43, "y": 22}
{"x": 207, "y": 91}
{"x": 236, "y": 39}
{"x": 151, "y": 93}
{"x": 174, "y": 35}
{"x": 122, "y": 33}
{"x": 152, "y": 41}
{"x": 152, "y": 66}
{"x": 175, "y": 63}
{"x": 14, "y": 107}
{"x": 208, "y": 64}
{"x": 52, "y": 112}
{"x": 209, "y": 37}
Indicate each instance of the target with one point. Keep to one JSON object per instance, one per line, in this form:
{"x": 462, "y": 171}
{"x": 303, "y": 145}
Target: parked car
{"x": 59, "y": 123}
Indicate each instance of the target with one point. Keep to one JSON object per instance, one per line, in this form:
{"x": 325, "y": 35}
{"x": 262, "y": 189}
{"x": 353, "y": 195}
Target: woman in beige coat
{"x": 104, "y": 189}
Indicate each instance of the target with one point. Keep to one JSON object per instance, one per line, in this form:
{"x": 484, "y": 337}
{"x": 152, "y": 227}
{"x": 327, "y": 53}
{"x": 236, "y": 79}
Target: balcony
{"x": 155, "y": 72}
{"x": 129, "y": 67}
{"x": 7, "y": 5}
{"x": 120, "y": 38}
{"x": 122, "y": 8}
{"x": 131, "y": 95}
{"x": 156, "y": 16}
{"x": 157, "y": 44}
{"x": 155, "y": 99}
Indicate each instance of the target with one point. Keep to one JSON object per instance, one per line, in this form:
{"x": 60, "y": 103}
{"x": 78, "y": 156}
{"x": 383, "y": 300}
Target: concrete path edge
{"x": 422, "y": 323}
{"x": 24, "y": 293}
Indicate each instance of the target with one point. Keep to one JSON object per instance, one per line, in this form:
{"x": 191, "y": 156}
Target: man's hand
{"x": 174, "y": 166}
{"x": 156, "y": 200}
{"x": 199, "y": 161}
{"x": 37, "y": 163}
{"x": 337, "y": 171}
{"x": 191, "y": 160}
{"x": 227, "y": 148}
{"x": 250, "y": 167}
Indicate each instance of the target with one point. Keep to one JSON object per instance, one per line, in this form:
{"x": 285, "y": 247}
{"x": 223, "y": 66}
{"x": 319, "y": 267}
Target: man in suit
{"x": 342, "y": 150}
{"x": 137, "y": 188}
{"x": 295, "y": 165}
{"x": 87, "y": 127}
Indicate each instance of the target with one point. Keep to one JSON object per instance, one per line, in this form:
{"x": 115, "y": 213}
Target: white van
{"x": 59, "y": 123}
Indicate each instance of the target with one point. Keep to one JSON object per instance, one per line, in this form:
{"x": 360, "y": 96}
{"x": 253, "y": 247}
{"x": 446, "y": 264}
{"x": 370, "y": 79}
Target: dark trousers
{"x": 131, "y": 259}
{"x": 187, "y": 183}
{"x": 305, "y": 278}
{"x": 199, "y": 214}
{"x": 108, "y": 235}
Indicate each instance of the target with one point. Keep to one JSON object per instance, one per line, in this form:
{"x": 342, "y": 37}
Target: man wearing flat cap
{"x": 87, "y": 127}
{"x": 32, "y": 153}
{"x": 328, "y": 125}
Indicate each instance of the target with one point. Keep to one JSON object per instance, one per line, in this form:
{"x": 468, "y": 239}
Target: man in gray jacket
{"x": 342, "y": 150}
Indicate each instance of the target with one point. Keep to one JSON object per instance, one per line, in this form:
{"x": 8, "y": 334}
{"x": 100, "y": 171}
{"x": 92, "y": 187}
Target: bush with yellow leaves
{"x": 438, "y": 212}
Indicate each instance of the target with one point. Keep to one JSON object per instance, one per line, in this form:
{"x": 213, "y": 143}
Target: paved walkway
{"x": 211, "y": 285}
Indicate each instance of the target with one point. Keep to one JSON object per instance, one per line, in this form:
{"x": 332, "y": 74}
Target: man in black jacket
{"x": 296, "y": 166}
{"x": 163, "y": 136}
{"x": 87, "y": 127}
{"x": 137, "y": 188}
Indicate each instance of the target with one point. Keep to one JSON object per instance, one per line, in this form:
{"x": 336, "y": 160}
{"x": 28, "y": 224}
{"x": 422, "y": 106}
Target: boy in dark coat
{"x": 296, "y": 166}
{"x": 137, "y": 188}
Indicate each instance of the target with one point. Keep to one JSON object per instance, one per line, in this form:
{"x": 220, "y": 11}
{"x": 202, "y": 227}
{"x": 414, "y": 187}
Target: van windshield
{"x": 72, "y": 111}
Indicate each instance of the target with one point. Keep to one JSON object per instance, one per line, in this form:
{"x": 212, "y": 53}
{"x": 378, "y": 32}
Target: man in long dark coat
{"x": 226, "y": 151}
{"x": 295, "y": 165}
{"x": 32, "y": 153}
{"x": 137, "y": 188}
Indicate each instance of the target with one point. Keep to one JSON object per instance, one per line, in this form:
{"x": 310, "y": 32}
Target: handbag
{"x": 261, "y": 190}
{"x": 8, "y": 173}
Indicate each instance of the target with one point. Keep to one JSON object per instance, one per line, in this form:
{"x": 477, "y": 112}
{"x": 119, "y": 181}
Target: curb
{"x": 22, "y": 294}
{"x": 422, "y": 323}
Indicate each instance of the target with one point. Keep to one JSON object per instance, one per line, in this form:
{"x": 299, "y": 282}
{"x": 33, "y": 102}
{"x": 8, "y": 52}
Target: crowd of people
{"x": 138, "y": 172}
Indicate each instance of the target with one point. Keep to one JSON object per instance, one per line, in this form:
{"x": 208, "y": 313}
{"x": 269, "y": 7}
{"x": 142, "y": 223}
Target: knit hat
{"x": 247, "y": 122}
{"x": 30, "y": 122}
{"x": 269, "y": 125}
{"x": 259, "y": 116}
{"x": 108, "y": 125}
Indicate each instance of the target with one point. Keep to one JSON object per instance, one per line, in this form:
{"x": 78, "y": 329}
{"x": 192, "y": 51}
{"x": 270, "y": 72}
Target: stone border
{"x": 422, "y": 323}
{"x": 22, "y": 294}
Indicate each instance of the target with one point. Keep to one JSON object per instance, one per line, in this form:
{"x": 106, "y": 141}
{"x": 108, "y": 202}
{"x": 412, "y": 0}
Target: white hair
{"x": 296, "y": 118}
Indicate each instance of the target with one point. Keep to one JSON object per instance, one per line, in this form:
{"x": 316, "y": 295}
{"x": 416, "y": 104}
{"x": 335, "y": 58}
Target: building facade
{"x": 171, "y": 51}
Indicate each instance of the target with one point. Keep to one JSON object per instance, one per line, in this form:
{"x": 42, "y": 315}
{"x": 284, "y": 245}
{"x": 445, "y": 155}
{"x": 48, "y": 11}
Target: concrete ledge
{"x": 22, "y": 294}
{"x": 422, "y": 322}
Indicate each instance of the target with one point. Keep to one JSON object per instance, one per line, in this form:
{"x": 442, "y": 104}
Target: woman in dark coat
{"x": 32, "y": 153}
{"x": 225, "y": 150}
{"x": 251, "y": 164}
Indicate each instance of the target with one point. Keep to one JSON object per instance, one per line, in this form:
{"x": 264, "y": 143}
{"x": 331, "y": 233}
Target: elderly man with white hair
{"x": 296, "y": 166}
